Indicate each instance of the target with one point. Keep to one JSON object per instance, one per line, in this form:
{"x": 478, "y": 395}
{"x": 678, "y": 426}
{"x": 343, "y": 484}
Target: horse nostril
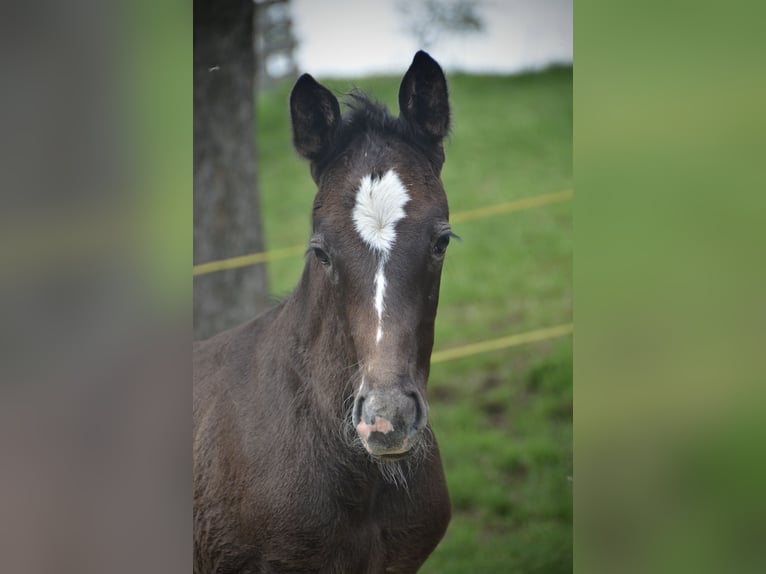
{"x": 356, "y": 416}
{"x": 420, "y": 412}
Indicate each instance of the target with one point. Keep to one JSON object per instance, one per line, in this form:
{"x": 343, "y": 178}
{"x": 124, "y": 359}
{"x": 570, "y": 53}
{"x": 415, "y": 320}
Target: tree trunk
{"x": 227, "y": 218}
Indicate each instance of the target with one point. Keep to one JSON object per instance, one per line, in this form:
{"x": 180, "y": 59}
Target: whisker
{"x": 396, "y": 473}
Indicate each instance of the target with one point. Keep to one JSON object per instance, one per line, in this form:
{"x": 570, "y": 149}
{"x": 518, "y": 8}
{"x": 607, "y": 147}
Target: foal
{"x": 312, "y": 450}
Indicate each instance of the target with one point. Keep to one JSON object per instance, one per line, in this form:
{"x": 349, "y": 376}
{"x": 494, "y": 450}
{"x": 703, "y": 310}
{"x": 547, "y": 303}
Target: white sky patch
{"x": 518, "y": 35}
{"x": 379, "y": 207}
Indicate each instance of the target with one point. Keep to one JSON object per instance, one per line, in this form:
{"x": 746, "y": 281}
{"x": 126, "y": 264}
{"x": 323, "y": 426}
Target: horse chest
{"x": 325, "y": 532}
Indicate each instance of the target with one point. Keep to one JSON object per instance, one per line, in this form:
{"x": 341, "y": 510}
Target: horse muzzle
{"x": 388, "y": 420}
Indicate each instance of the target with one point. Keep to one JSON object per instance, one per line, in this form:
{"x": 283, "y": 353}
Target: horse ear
{"x": 423, "y": 99}
{"x": 315, "y": 115}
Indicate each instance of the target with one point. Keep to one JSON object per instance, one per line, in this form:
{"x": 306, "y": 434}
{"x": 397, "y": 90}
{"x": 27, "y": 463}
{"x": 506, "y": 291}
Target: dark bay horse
{"x": 312, "y": 450}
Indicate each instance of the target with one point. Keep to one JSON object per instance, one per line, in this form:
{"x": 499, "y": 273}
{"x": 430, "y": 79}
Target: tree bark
{"x": 227, "y": 218}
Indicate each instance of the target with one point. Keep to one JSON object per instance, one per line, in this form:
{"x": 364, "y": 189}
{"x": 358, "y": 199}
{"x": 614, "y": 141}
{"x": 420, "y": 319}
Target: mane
{"x": 365, "y": 116}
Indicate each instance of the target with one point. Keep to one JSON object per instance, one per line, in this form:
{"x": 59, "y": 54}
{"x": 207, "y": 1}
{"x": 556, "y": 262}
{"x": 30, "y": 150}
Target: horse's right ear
{"x": 315, "y": 115}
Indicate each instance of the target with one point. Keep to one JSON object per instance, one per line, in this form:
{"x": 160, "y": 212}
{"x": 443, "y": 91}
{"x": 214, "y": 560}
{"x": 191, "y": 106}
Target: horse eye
{"x": 441, "y": 245}
{"x": 321, "y": 256}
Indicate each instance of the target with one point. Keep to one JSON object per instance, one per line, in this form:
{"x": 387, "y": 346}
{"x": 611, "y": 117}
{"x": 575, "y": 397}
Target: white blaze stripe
{"x": 380, "y": 291}
{"x": 379, "y": 207}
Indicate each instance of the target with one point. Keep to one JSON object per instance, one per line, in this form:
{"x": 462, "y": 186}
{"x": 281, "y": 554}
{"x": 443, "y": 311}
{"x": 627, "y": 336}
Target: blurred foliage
{"x": 503, "y": 419}
{"x": 429, "y": 20}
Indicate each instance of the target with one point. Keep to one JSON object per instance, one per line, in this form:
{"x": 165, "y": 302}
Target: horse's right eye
{"x": 321, "y": 256}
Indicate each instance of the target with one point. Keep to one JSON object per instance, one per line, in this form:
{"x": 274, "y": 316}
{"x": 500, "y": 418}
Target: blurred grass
{"x": 503, "y": 419}
{"x": 670, "y": 233}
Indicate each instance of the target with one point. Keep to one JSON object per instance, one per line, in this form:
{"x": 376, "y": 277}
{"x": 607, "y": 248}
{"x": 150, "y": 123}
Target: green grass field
{"x": 504, "y": 418}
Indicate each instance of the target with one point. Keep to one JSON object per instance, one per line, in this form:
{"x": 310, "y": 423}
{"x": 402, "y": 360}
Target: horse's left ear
{"x": 423, "y": 100}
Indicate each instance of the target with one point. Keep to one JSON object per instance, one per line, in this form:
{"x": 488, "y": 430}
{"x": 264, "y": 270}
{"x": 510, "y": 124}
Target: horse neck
{"x": 321, "y": 351}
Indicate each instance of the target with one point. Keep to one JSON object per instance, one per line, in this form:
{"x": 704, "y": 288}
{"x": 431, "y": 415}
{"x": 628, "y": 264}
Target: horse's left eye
{"x": 441, "y": 245}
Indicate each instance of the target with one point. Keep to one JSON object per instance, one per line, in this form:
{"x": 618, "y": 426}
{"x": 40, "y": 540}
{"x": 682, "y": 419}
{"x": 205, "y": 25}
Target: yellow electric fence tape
{"x": 502, "y": 343}
{"x": 479, "y": 213}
